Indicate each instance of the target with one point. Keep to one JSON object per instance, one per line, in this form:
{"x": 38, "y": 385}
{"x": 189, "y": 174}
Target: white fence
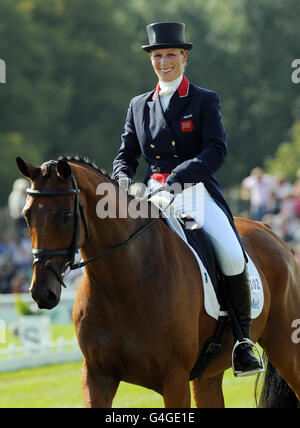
{"x": 19, "y": 357}
{"x": 35, "y": 346}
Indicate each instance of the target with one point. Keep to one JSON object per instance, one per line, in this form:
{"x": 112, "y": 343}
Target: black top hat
{"x": 166, "y": 35}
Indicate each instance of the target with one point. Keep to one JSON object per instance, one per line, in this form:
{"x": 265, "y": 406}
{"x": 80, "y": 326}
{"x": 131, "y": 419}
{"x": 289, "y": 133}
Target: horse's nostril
{"x": 51, "y": 297}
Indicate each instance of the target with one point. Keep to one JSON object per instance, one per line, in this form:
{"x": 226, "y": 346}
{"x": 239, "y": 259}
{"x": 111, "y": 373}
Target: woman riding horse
{"x": 178, "y": 129}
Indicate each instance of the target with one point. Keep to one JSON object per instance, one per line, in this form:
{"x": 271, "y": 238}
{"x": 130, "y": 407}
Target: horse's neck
{"x": 106, "y": 233}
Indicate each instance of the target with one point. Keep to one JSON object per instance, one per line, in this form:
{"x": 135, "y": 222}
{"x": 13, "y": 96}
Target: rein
{"x": 43, "y": 256}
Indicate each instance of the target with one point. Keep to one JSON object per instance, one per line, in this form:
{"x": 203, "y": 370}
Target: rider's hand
{"x": 124, "y": 182}
{"x": 174, "y": 184}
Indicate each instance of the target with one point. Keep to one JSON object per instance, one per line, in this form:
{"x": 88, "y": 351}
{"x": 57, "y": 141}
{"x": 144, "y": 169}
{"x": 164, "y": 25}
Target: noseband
{"x": 44, "y": 256}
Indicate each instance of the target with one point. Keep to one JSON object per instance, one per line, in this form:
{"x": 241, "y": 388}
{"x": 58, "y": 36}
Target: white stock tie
{"x": 165, "y": 92}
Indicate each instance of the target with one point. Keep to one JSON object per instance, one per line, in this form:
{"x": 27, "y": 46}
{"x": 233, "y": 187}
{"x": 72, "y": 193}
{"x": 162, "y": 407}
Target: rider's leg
{"x": 231, "y": 259}
{"x": 239, "y": 296}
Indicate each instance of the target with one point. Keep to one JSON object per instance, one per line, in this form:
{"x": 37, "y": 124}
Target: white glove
{"x": 124, "y": 182}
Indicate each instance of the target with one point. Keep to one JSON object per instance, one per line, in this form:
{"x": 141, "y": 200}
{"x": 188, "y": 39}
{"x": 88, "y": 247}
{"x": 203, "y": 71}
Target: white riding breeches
{"x": 197, "y": 203}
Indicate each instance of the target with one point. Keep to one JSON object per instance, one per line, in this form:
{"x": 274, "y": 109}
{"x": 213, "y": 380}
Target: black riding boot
{"x": 238, "y": 289}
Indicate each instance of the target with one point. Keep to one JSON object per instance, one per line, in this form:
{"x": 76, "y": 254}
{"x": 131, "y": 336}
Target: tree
{"x": 74, "y": 65}
{"x": 13, "y": 145}
{"x": 287, "y": 158}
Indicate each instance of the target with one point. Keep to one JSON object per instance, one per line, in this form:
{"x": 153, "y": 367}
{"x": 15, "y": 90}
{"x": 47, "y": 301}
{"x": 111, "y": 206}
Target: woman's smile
{"x": 168, "y": 64}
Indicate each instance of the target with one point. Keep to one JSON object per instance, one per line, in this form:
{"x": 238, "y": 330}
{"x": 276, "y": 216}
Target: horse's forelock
{"x": 47, "y": 167}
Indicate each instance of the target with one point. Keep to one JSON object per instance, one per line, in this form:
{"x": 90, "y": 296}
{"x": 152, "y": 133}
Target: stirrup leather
{"x": 250, "y": 372}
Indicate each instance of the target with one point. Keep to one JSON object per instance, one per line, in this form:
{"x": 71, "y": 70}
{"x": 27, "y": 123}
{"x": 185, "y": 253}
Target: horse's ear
{"x": 63, "y": 169}
{"x": 28, "y": 170}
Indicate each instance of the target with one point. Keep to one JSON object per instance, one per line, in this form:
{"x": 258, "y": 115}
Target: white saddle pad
{"x": 211, "y": 303}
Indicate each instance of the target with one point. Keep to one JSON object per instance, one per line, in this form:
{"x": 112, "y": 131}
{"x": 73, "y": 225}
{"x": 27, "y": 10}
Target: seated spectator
{"x": 21, "y": 251}
{"x": 283, "y": 197}
{"x": 15, "y": 264}
{"x": 5, "y": 278}
{"x": 20, "y": 282}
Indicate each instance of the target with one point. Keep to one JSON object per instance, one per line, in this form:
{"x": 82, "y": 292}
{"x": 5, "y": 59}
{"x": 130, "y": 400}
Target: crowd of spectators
{"x": 272, "y": 200}
{"x": 15, "y": 263}
{"x": 16, "y": 248}
{"x": 275, "y": 201}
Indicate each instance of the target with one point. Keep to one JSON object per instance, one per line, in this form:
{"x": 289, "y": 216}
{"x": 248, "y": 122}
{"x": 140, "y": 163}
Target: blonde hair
{"x": 185, "y": 64}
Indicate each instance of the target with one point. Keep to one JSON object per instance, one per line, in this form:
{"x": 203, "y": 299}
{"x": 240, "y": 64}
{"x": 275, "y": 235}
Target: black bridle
{"x": 44, "y": 256}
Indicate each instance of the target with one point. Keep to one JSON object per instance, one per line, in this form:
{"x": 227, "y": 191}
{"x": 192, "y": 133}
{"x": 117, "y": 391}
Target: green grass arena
{"x": 59, "y": 386}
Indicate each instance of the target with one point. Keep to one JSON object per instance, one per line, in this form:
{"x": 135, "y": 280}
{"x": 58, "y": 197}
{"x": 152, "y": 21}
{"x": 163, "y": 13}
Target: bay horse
{"x": 139, "y": 313}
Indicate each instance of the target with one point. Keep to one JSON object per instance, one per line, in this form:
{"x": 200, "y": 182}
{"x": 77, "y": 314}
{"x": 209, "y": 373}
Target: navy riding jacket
{"x": 188, "y": 138}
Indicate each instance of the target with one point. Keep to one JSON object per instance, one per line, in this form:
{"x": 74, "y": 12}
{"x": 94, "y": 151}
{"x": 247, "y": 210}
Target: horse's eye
{"x": 67, "y": 217}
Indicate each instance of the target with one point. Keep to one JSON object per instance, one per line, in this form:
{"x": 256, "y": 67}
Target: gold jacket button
{"x": 157, "y": 157}
{"x": 158, "y": 169}
{"x": 173, "y": 143}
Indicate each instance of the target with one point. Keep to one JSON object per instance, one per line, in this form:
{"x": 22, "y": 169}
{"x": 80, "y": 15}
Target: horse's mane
{"x": 87, "y": 162}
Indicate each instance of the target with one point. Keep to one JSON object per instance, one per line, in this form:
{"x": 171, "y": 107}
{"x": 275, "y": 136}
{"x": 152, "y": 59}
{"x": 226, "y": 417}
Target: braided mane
{"x": 86, "y": 161}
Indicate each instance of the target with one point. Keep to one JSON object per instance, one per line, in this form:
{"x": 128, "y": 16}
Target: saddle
{"x": 201, "y": 243}
{"x": 216, "y": 301}
{"x": 198, "y": 240}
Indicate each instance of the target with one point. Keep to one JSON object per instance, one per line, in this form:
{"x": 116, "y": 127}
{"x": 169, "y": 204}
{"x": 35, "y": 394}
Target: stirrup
{"x": 250, "y": 372}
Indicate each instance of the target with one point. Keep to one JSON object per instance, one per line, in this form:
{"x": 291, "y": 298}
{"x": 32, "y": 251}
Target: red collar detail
{"x": 184, "y": 86}
{"x": 154, "y": 96}
{"x": 183, "y": 89}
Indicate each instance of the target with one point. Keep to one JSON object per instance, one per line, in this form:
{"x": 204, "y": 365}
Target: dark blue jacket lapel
{"x": 158, "y": 120}
{"x": 176, "y": 105}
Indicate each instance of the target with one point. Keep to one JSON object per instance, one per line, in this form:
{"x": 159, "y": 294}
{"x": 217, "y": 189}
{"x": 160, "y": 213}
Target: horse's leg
{"x": 208, "y": 392}
{"x": 98, "y": 389}
{"x": 176, "y": 389}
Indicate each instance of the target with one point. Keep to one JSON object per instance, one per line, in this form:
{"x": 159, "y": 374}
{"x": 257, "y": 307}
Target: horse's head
{"x": 53, "y": 215}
